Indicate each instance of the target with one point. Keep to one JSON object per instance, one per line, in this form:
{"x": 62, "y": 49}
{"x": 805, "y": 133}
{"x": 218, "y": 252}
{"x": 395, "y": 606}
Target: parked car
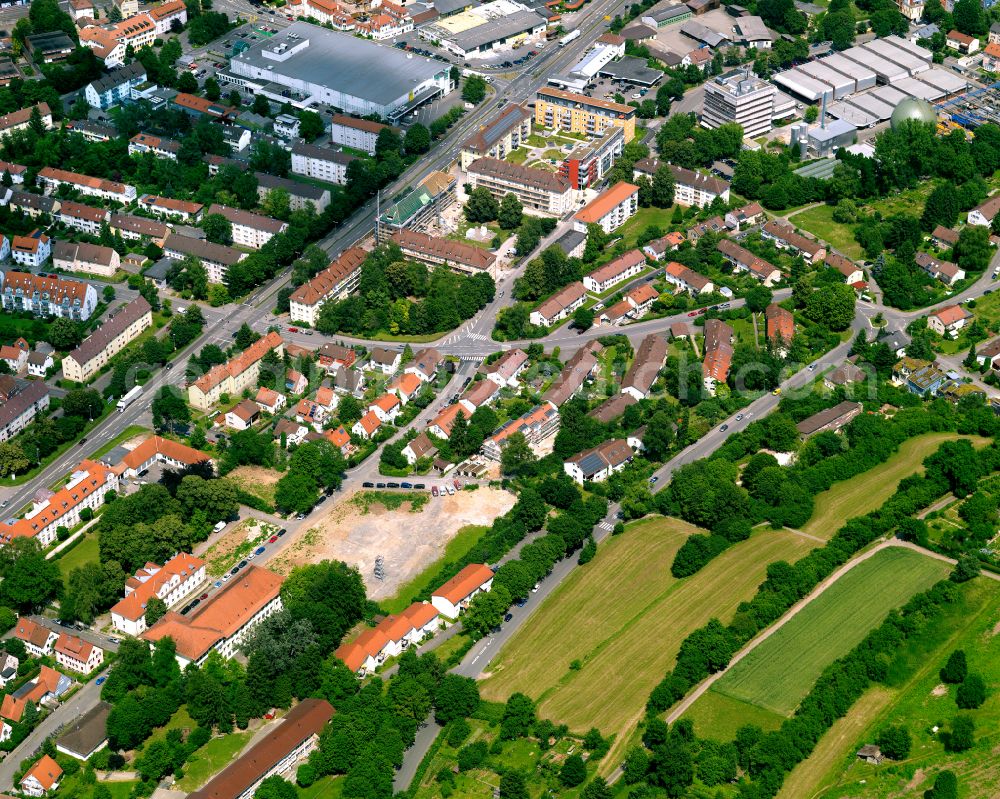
{"x": 508, "y": 617}
{"x": 458, "y": 484}
{"x": 100, "y": 680}
{"x": 272, "y": 539}
{"x": 259, "y": 551}
{"x": 281, "y": 532}
{"x": 367, "y": 484}
{"x": 379, "y": 485}
{"x": 451, "y": 490}
{"x": 392, "y": 485}
{"x": 419, "y": 486}
{"x": 406, "y": 485}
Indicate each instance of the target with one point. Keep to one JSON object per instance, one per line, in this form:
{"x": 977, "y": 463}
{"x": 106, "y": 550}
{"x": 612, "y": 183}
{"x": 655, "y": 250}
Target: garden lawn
{"x": 86, "y": 551}
{"x": 624, "y": 618}
{"x": 914, "y": 697}
{"x": 211, "y": 758}
{"x": 819, "y": 222}
{"x": 782, "y": 670}
{"x": 465, "y": 539}
{"x": 643, "y": 218}
{"x": 868, "y": 490}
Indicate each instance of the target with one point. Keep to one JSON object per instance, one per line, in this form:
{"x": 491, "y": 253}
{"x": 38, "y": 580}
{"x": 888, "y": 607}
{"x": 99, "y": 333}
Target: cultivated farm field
{"x": 623, "y": 618}
{"x": 781, "y": 671}
{"x": 916, "y": 698}
{"x": 867, "y": 491}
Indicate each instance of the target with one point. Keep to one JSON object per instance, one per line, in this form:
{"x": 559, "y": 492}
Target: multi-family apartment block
{"x": 338, "y": 280}
{"x": 249, "y": 229}
{"x": 82, "y": 257}
{"x": 47, "y": 296}
{"x": 577, "y": 113}
{"x": 118, "y": 330}
{"x": 232, "y": 377}
{"x": 538, "y": 190}
{"x": 51, "y": 179}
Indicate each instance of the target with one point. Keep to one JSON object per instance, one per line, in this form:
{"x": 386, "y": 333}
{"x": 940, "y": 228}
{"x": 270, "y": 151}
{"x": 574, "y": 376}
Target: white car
{"x": 451, "y": 489}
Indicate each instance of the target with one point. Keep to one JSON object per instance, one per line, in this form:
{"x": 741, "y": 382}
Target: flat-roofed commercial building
{"x": 318, "y": 66}
{"x": 577, "y": 113}
{"x": 538, "y": 190}
{"x": 479, "y": 31}
{"x": 740, "y": 97}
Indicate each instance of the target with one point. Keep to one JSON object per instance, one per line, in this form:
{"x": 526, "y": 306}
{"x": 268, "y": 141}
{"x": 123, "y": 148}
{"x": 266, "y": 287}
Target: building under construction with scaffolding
{"x": 972, "y": 108}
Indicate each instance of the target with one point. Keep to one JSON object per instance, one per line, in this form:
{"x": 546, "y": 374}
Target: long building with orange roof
{"x": 223, "y": 621}
{"x": 338, "y": 280}
{"x": 155, "y": 449}
{"x": 389, "y": 638}
{"x": 52, "y": 178}
{"x": 232, "y": 377}
{"x": 86, "y": 488}
{"x": 172, "y": 582}
{"x": 455, "y": 595}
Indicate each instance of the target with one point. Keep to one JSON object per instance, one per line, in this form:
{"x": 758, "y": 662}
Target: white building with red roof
{"x": 37, "y": 640}
{"x": 75, "y": 654}
{"x": 455, "y": 595}
{"x": 176, "y": 579}
{"x": 42, "y": 777}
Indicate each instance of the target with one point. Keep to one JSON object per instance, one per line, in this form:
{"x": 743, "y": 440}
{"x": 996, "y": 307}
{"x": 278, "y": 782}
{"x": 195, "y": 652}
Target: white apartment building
{"x": 32, "y": 250}
{"x": 85, "y": 489}
{"x": 359, "y": 134}
{"x": 611, "y": 209}
{"x": 538, "y": 190}
{"x": 47, "y": 296}
{"x": 83, "y": 217}
{"x": 249, "y": 229}
{"x": 622, "y": 268}
{"x": 51, "y": 179}
{"x": 178, "y": 578}
{"x": 117, "y": 331}
{"x": 320, "y": 163}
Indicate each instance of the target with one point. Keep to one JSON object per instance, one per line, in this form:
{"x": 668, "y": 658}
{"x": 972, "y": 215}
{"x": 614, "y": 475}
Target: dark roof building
{"x": 831, "y": 419}
{"x": 87, "y": 734}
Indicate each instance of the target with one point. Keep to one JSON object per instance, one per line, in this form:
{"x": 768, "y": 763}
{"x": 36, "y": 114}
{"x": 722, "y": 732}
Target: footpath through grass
{"x": 868, "y": 490}
{"x": 914, "y": 697}
{"x": 623, "y": 618}
{"x": 781, "y": 671}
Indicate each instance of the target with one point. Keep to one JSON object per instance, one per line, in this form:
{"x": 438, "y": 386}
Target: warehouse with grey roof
{"x": 355, "y": 75}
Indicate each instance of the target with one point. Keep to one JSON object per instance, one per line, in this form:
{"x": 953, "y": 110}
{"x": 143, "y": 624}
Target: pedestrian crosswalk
{"x": 606, "y": 526}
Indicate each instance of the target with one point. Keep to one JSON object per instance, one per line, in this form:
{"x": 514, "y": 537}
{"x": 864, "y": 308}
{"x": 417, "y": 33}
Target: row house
{"x": 21, "y": 119}
{"x": 780, "y": 324}
{"x": 249, "y": 229}
{"x": 559, "y": 306}
{"x": 945, "y": 271}
{"x": 51, "y": 179}
{"x": 538, "y": 190}
{"x": 75, "y": 654}
{"x": 687, "y": 279}
{"x": 320, "y": 163}
{"x": 455, "y": 595}
{"x": 91, "y": 258}
{"x": 47, "y": 296}
{"x": 92, "y": 131}
{"x": 138, "y": 228}
{"x": 851, "y": 271}
{"x": 21, "y": 401}
{"x": 635, "y": 305}
{"x": 536, "y": 425}
{"x": 389, "y": 638}
{"x": 31, "y": 251}
{"x": 216, "y": 258}
{"x": 743, "y": 260}
{"x": 169, "y": 208}
{"x": 156, "y": 450}
{"x": 619, "y": 270}
{"x": 33, "y": 205}
{"x": 718, "y": 347}
{"x": 83, "y": 217}
{"x": 786, "y": 237}
{"x": 148, "y": 143}
{"x": 358, "y": 134}
{"x": 335, "y": 282}
{"x": 223, "y": 621}
{"x": 649, "y": 359}
{"x": 599, "y": 463}
{"x": 506, "y": 369}
{"x": 456, "y": 255}
{"x": 231, "y": 378}
{"x": 86, "y": 489}
{"x": 575, "y": 372}
{"x": 609, "y": 210}
{"x": 117, "y": 331}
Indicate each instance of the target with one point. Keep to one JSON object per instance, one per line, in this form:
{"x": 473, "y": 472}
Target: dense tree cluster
{"x": 403, "y": 297}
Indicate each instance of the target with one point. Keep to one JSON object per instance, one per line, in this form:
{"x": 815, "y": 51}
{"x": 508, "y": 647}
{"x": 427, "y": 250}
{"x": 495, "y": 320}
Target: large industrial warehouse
{"x": 863, "y": 84}
{"x": 315, "y": 65}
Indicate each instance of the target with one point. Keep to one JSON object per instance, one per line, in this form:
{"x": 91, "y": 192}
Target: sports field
{"x": 778, "y": 673}
{"x": 914, "y": 697}
{"x": 867, "y": 491}
{"x": 623, "y": 618}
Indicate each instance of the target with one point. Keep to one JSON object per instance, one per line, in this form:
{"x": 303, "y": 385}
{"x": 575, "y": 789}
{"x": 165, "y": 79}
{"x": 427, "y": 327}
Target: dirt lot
{"x": 409, "y": 542}
{"x": 256, "y": 480}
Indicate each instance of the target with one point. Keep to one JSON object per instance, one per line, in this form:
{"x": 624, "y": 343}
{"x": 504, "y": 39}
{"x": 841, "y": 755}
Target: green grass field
{"x": 624, "y": 618}
{"x": 819, "y": 222}
{"x": 867, "y": 491}
{"x": 782, "y": 670}
{"x": 87, "y": 551}
{"x": 914, "y": 698}
{"x": 211, "y": 758}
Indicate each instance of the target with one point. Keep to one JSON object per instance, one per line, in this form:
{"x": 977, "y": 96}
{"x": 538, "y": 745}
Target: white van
{"x": 219, "y": 527}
